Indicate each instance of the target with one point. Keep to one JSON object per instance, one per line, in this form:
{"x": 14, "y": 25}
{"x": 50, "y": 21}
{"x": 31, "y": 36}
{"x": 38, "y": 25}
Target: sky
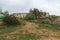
{"x": 14, "y": 6}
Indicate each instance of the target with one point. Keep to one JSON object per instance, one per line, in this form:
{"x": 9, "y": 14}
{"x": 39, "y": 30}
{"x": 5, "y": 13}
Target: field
{"x": 30, "y": 31}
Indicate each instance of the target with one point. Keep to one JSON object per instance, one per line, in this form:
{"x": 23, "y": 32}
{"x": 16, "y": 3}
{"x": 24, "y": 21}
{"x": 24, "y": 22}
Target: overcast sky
{"x": 51, "y": 6}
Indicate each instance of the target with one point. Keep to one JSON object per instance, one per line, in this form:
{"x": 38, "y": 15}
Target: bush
{"x": 10, "y": 20}
{"x": 30, "y": 16}
{"x": 22, "y": 21}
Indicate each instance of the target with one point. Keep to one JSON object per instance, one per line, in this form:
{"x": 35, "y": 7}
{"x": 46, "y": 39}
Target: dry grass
{"x": 30, "y": 32}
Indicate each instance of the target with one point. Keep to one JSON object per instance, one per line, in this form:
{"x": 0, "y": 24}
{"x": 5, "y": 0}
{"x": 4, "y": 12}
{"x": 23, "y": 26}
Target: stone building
{"x": 20, "y": 15}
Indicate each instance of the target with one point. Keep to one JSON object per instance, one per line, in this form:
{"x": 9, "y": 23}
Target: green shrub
{"x": 30, "y": 16}
{"x": 10, "y": 20}
{"x": 22, "y": 21}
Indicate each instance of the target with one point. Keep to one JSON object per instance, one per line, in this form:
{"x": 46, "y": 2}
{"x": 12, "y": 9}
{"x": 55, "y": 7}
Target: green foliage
{"x": 2, "y": 39}
{"x": 48, "y": 26}
{"x": 30, "y": 16}
{"x": 5, "y": 30}
{"x": 22, "y": 21}
{"x": 10, "y": 20}
{"x": 33, "y": 14}
{"x": 36, "y": 13}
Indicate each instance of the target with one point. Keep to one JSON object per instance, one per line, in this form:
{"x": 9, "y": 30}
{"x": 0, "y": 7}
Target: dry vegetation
{"x": 30, "y": 31}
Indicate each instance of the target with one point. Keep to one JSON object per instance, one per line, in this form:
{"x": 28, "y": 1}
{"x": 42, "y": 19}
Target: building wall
{"x": 47, "y": 14}
{"x": 20, "y": 15}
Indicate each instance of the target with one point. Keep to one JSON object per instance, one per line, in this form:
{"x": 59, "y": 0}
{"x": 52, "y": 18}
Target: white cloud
{"x": 52, "y": 6}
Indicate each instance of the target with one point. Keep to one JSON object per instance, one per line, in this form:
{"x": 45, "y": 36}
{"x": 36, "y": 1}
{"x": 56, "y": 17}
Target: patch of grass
{"x": 22, "y": 21}
{"x": 7, "y": 30}
{"x": 2, "y": 39}
{"x": 48, "y": 26}
{"x": 27, "y": 36}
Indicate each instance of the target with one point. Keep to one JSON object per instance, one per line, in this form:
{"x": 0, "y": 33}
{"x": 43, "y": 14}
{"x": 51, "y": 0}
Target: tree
{"x": 36, "y": 12}
{"x": 29, "y": 16}
{"x": 10, "y": 20}
{"x": 31, "y": 11}
{"x": 6, "y": 13}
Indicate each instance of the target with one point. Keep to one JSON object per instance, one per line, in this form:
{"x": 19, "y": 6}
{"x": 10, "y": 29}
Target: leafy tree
{"x": 36, "y": 12}
{"x": 30, "y": 15}
{"x": 6, "y": 13}
{"x": 10, "y": 20}
{"x": 31, "y": 11}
